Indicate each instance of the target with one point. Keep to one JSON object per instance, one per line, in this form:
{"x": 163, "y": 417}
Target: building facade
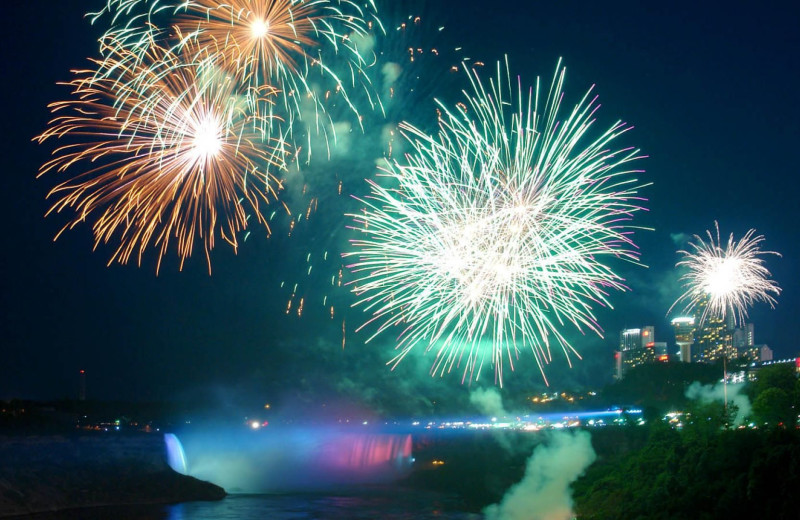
{"x": 684, "y": 329}
{"x": 636, "y": 347}
{"x": 713, "y": 338}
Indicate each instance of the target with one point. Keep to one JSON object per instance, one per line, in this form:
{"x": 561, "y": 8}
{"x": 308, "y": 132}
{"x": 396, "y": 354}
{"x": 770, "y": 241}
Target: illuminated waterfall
{"x": 294, "y": 459}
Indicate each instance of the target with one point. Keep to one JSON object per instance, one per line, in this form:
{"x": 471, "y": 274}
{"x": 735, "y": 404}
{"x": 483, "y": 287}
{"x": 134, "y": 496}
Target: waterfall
{"x": 290, "y": 459}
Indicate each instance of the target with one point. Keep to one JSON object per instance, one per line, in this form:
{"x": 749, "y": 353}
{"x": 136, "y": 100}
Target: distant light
{"x": 682, "y": 320}
{"x": 255, "y": 425}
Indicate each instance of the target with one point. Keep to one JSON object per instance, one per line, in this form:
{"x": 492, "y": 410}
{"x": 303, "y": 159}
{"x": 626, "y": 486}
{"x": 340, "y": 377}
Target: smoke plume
{"x": 710, "y": 393}
{"x": 488, "y": 402}
{"x": 544, "y": 492}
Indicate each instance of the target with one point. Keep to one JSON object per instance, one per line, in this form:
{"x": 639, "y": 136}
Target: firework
{"x": 275, "y": 43}
{"x": 491, "y": 235}
{"x": 728, "y": 279}
{"x": 167, "y": 150}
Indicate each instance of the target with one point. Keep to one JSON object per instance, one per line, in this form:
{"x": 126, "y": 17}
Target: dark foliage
{"x": 730, "y": 474}
{"x": 657, "y": 387}
{"x": 706, "y": 470}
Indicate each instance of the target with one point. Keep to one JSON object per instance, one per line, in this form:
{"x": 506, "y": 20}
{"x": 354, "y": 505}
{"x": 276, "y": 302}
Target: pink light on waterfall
{"x": 367, "y": 452}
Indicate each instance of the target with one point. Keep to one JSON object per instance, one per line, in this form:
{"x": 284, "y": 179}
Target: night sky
{"x": 710, "y": 88}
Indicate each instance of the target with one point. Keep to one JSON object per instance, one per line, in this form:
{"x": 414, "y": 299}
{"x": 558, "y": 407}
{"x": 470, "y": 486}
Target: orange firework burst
{"x": 264, "y": 37}
{"x": 168, "y": 149}
{"x": 269, "y": 42}
{"x": 279, "y": 42}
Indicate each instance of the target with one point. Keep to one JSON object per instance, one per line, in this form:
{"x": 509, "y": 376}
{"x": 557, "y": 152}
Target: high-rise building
{"x": 713, "y": 338}
{"x": 744, "y": 342}
{"x": 636, "y": 346}
{"x": 744, "y": 336}
{"x": 661, "y": 352}
{"x": 617, "y": 364}
{"x": 633, "y": 339}
{"x": 684, "y": 329}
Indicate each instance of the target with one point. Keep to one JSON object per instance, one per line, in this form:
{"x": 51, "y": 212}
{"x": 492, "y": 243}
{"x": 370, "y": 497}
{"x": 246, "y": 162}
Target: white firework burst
{"x": 730, "y": 278}
{"x": 494, "y": 233}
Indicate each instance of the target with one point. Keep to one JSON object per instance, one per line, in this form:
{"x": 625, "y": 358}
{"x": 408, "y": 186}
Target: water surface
{"x": 370, "y": 503}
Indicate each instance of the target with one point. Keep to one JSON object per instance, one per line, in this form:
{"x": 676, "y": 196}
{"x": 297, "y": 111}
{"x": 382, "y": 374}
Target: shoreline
{"x": 42, "y": 474}
{"x": 44, "y": 514}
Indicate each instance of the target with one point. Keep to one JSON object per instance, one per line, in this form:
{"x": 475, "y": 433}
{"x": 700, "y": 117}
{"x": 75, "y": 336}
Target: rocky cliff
{"x": 48, "y": 473}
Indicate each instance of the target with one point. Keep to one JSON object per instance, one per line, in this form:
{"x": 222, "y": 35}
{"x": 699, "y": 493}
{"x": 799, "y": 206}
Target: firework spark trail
{"x": 491, "y": 235}
{"x": 168, "y": 149}
{"x": 732, "y": 277}
{"x": 272, "y": 43}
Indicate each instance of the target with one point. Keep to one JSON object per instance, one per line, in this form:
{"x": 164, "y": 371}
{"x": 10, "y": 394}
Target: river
{"x": 385, "y": 503}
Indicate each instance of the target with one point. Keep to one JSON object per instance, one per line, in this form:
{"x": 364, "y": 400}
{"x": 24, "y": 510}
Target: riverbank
{"x": 41, "y": 473}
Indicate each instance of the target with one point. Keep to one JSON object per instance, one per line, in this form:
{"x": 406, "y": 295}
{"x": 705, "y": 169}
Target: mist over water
{"x": 544, "y": 492}
{"x": 720, "y": 392}
{"x": 281, "y": 460}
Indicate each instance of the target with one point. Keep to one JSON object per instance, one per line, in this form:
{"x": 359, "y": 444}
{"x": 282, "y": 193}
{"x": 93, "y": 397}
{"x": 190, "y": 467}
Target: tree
{"x": 780, "y": 376}
{"x": 774, "y": 406}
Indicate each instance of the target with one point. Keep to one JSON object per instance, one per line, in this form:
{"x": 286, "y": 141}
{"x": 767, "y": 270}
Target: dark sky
{"x": 709, "y": 86}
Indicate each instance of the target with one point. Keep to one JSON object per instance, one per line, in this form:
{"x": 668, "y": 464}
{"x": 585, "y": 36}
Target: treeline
{"x": 707, "y": 468}
{"x": 728, "y": 474}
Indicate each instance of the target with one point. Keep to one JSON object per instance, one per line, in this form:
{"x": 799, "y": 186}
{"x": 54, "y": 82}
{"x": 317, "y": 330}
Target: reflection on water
{"x": 379, "y": 503}
{"x": 131, "y": 512}
{"x": 284, "y": 507}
